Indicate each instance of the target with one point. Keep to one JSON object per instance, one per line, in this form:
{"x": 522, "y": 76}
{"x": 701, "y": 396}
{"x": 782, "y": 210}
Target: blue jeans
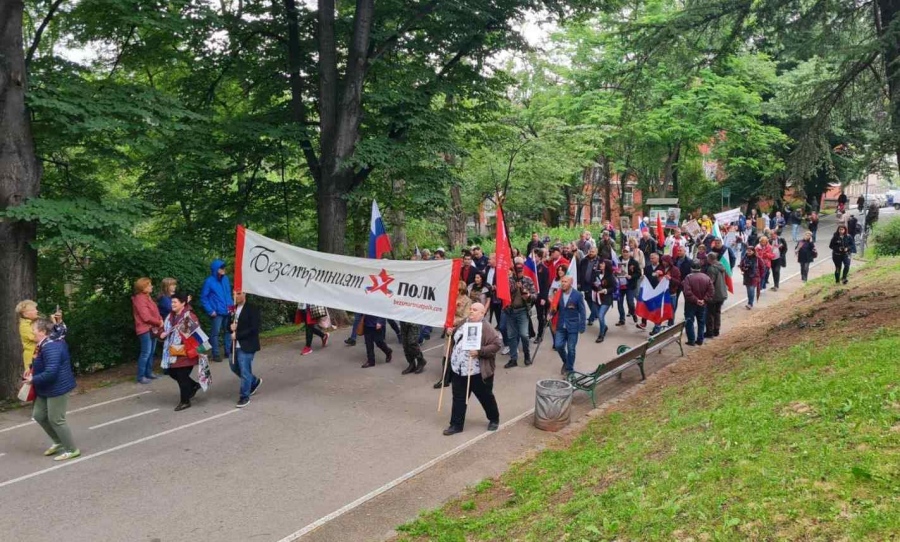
{"x": 675, "y": 299}
{"x": 626, "y": 295}
{"x": 601, "y": 317}
{"x": 218, "y": 325}
{"x": 764, "y": 281}
{"x": 794, "y": 229}
{"x": 145, "y": 358}
{"x": 243, "y": 368}
{"x": 424, "y": 332}
{"x": 565, "y": 342}
{"x": 751, "y": 295}
{"x": 503, "y": 332}
{"x": 692, "y": 312}
{"x": 517, "y": 328}
{"x": 591, "y": 306}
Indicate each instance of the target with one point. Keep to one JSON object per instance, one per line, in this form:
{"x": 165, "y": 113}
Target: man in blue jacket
{"x": 217, "y": 301}
{"x": 570, "y": 324}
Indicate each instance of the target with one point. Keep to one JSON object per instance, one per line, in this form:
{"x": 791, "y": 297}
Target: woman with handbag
{"x": 806, "y": 252}
{"x": 310, "y": 316}
{"x": 52, "y": 380}
{"x": 178, "y": 359}
{"x": 147, "y": 326}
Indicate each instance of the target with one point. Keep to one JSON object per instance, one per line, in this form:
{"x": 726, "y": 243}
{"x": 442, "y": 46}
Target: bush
{"x": 887, "y": 238}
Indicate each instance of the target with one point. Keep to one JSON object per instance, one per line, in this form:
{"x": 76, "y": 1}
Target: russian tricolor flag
{"x": 379, "y": 242}
{"x": 530, "y": 270}
{"x": 655, "y": 304}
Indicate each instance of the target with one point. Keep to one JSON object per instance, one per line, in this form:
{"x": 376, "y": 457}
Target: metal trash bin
{"x": 552, "y": 404}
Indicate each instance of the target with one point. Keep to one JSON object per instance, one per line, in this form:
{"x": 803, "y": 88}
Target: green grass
{"x": 280, "y": 331}
{"x": 799, "y": 444}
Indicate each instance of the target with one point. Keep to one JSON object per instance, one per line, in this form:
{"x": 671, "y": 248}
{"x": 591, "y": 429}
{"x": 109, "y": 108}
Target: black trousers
{"x": 312, "y": 329}
{"x": 776, "y": 273}
{"x": 374, "y": 337}
{"x": 804, "y": 271}
{"x": 495, "y": 309}
{"x": 839, "y": 262}
{"x": 713, "y": 318}
{"x": 394, "y": 326}
{"x": 186, "y": 384}
{"x": 541, "y": 315}
{"x": 483, "y": 390}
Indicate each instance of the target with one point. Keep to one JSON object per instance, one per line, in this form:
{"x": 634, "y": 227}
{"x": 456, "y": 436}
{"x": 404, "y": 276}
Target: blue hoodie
{"x": 216, "y": 294}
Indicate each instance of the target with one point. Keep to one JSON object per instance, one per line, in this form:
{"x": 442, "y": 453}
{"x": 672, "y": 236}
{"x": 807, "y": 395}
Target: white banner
{"x": 727, "y": 217}
{"x": 407, "y": 291}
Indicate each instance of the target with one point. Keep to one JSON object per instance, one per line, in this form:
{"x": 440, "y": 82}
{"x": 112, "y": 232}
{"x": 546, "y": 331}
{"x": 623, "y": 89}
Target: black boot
{"x": 409, "y": 368}
{"x": 420, "y": 366}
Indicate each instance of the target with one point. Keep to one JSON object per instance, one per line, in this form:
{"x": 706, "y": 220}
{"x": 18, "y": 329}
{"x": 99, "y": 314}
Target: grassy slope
{"x": 801, "y": 443}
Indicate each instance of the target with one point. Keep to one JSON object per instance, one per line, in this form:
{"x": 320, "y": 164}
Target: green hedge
{"x": 887, "y": 238}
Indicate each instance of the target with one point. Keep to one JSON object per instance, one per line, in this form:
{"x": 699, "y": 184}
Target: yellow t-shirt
{"x": 28, "y": 342}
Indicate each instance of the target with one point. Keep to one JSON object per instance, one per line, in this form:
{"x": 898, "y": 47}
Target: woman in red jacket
{"x": 766, "y": 253}
{"x": 147, "y": 325}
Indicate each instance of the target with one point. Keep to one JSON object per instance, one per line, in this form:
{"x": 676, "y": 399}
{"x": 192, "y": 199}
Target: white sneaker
{"x": 505, "y": 351}
{"x": 68, "y": 455}
{"x": 53, "y": 450}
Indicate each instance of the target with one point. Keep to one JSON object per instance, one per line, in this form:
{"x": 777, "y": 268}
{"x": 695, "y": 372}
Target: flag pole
{"x": 468, "y": 377}
{"x": 444, "y": 371}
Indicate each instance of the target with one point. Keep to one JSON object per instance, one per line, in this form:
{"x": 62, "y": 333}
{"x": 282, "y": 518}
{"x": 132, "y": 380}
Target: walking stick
{"x": 444, "y": 371}
{"x": 468, "y": 378}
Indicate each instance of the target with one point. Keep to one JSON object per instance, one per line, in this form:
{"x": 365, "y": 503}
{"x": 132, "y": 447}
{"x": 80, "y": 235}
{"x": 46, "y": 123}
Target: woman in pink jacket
{"x": 766, "y": 254}
{"x": 147, "y": 325}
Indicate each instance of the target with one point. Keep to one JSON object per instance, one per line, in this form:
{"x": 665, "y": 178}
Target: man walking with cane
{"x": 473, "y": 371}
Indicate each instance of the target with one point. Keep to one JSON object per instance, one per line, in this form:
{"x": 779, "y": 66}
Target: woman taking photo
{"x": 604, "y": 284}
{"x": 27, "y": 311}
{"x": 841, "y": 246}
{"x": 177, "y": 360}
{"x": 806, "y": 253}
{"x": 52, "y": 379}
{"x": 147, "y": 326}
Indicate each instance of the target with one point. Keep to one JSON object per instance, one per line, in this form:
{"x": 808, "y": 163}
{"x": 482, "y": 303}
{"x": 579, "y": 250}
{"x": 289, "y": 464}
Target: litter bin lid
{"x": 554, "y": 385}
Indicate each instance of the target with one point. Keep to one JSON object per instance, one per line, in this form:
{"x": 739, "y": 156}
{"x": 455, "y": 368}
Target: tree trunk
{"x": 20, "y": 177}
{"x": 886, "y": 15}
{"x": 670, "y": 172}
{"x": 456, "y": 227}
{"x": 332, "y": 215}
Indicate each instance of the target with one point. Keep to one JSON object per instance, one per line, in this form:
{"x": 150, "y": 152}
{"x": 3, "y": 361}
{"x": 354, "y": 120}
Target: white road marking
{"x": 114, "y": 449}
{"x": 442, "y": 345}
{"x": 82, "y": 409}
{"x": 1, "y": 455}
{"x": 394, "y": 483}
{"x": 123, "y": 419}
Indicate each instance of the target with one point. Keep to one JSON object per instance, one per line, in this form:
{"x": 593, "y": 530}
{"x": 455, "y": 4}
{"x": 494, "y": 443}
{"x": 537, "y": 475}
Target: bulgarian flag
{"x": 729, "y": 281}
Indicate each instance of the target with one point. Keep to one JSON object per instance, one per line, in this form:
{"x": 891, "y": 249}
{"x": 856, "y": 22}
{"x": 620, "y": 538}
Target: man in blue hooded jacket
{"x": 216, "y": 299}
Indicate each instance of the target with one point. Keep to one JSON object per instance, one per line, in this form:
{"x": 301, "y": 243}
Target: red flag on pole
{"x": 660, "y": 234}
{"x": 504, "y": 259}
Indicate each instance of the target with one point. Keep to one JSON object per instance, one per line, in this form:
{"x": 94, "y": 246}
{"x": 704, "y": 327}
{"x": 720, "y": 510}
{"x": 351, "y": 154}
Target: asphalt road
{"x": 320, "y": 434}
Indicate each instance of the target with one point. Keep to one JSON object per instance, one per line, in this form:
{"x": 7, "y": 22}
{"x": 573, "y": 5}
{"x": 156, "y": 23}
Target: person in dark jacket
{"x": 542, "y": 304}
{"x": 806, "y": 253}
{"x": 752, "y": 269}
{"x": 716, "y": 272}
{"x": 374, "y": 334}
{"x": 674, "y": 275}
{"x": 698, "y": 292}
{"x": 245, "y": 334}
{"x": 653, "y": 271}
{"x": 647, "y": 244}
{"x": 630, "y": 273}
{"x": 841, "y": 246}
{"x": 586, "y": 268}
{"x": 53, "y": 379}
{"x": 217, "y": 302}
{"x": 570, "y": 323}
{"x": 852, "y": 230}
{"x": 605, "y": 285}
{"x": 812, "y": 222}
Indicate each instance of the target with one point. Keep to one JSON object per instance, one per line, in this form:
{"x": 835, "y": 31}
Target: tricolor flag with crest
{"x": 379, "y": 242}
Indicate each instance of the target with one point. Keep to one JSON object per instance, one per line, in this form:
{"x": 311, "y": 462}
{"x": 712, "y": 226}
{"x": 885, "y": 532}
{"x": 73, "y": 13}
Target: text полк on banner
{"x": 408, "y": 291}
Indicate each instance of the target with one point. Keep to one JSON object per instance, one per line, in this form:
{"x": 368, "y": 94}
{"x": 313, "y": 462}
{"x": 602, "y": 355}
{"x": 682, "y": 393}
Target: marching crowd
{"x": 568, "y": 285}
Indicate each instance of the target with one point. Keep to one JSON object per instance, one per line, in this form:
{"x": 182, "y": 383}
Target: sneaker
{"x": 244, "y": 401}
{"x": 493, "y": 426}
{"x": 748, "y": 307}
{"x": 350, "y": 342}
{"x": 68, "y": 455}
{"x": 153, "y": 376}
{"x": 774, "y": 288}
{"x": 255, "y": 387}
{"x": 53, "y": 450}
{"x": 306, "y": 351}
{"x": 505, "y": 351}
{"x": 325, "y": 339}
{"x": 642, "y": 326}
{"x": 144, "y": 380}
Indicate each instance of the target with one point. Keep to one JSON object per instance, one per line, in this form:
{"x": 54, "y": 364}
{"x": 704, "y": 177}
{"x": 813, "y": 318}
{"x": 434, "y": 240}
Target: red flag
{"x": 660, "y": 234}
{"x": 504, "y": 260}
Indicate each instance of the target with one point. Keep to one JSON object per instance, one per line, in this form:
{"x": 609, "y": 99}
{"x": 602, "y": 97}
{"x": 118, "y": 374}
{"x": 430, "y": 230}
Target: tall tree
{"x": 20, "y": 176}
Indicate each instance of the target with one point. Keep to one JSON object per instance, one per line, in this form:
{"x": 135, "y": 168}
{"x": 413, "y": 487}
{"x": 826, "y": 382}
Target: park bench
{"x": 664, "y": 338}
{"x": 587, "y": 382}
